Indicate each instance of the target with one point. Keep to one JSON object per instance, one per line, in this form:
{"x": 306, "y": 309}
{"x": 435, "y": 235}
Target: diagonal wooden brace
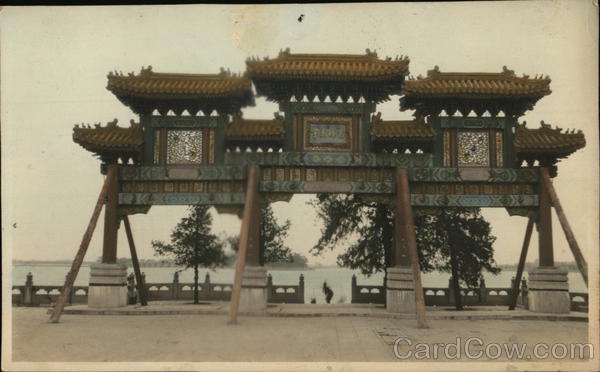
{"x": 111, "y": 177}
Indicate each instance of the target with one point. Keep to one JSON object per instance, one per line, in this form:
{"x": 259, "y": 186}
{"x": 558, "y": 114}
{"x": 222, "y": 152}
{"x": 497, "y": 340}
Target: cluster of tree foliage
{"x": 193, "y": 245}
{"x": 456, "y": 240}
{"x": 273, "y": 250}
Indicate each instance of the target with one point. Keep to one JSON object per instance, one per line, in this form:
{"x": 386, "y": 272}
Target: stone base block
{"x": 108, "y": 286}
{"x": 253, "y": 295}
{"x": 548, "y": 291}
{"x": 400, "y": 290}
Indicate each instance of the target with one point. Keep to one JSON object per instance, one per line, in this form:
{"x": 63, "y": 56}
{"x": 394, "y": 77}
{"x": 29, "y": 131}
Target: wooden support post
{"x": 400, "y": 252}
{"x": 544, "y": 222}
{"x": 111, "y": 177}
{"x": 111, "y": 219}
{"x": 250, "y": 200}
{"x": 136, "y": 264}
{"x": 404, "y": 207}
{"x": 517, "y": 282}
{"x": 581, "y": 263}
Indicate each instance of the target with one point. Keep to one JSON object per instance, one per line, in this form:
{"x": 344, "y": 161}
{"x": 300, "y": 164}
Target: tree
{"x": 458, "y": 235}
{"x": 272, "y": 236}
{"x": 192, "y": 244}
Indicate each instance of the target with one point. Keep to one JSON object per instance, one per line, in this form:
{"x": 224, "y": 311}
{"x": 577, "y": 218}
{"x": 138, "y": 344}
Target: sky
{"x": 54, "y": 62}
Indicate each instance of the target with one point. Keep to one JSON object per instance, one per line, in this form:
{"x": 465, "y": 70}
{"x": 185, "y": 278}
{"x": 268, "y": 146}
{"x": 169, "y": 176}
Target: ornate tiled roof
{"x": 245, "y": 129}
{"x": 328, "y": 67}
{"x": 149, "y": 84}
{"x": 412, "y": 130}
{"x": 545, "y": 140}
{"x": 110, "y": 138}
{"x": 477, "y": 85}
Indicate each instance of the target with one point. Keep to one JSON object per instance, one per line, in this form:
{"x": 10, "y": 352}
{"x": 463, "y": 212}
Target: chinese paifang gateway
{"x": 464, "y": 148}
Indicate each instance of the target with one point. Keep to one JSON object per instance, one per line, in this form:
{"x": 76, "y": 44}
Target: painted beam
{"x": 157, "y": 121}
{"x": 483, "y": 201}
{"x": 206, "y": 198}
{"x": 329, "y": 159}
{"x": 386, "y": 188}
{"x": 181, "y": 173}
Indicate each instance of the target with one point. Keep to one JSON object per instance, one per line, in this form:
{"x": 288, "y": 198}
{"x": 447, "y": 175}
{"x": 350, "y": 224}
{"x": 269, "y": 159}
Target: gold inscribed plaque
{"x": 499, "y": 153}
{"x": 154, "y": 186}
{"x": 211, "y": 146}
{"x": 169, "y": 187}
{"x": 198, "y": 186}
{"x": 295, "y": 174}
{"x": 184, "y": 187}
{"x": 139, "y": 187}
{"x": 447, "y": 154}
{"x": 311, "y": 174}
{"x": 156, "y": 146}
{"x": 327, "y": 133}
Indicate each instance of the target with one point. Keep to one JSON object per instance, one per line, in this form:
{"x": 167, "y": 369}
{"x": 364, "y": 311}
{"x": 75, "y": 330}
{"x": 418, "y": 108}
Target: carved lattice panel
{"x": 473, "y": 149}
{"x": 184, "y": 146}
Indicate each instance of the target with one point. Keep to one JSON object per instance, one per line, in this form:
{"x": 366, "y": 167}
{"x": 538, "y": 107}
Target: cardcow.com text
{"x": 476, "y": 348}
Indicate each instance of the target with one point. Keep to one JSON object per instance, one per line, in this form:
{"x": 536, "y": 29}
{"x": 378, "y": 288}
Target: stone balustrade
{"x": 444, "y": 296}
{"x": 36, "y": 295}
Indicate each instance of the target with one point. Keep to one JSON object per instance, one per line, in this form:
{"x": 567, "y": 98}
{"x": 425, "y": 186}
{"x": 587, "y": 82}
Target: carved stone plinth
{"x": 108, "y": 286}
{"x": 548, "y": 290}
{"x": 400, "y": 290}
{"x": 253, "y": 295}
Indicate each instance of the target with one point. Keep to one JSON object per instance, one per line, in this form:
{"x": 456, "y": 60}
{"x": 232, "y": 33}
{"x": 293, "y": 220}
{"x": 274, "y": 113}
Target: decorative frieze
{"x": 474, "y": 200}
{"x": 209, "y": 198}
{"x": 329, "y": 159}
{"x": 164, "y": 173}
{"x": 157, "y": 121}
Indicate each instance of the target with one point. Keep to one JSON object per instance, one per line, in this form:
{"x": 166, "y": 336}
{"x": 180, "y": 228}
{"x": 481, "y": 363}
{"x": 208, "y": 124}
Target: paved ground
{"x": 205, "y": 337}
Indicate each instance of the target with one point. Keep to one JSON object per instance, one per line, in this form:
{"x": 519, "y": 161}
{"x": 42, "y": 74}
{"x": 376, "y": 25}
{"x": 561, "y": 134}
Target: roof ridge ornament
{"x": 434, "y": 71}
{"x": 508, "y": 72}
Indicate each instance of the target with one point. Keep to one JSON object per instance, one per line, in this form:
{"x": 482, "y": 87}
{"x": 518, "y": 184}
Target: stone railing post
{"x": 482, "y": 292}
{"x": 301, "y": 289}
{"x": 269, "y": 287}
{"x": 28, "y": 295}
{"x": 175, "y": 287}
{"x": 450, "y": 292}
{"x": 131, "y": 295}
{"x": 206, "y": 288}
{"x": 355, "y": 291}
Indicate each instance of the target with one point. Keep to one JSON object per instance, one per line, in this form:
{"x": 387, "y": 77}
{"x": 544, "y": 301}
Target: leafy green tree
{"x": 457, "y": 235}
{"x": 272, "y": 237}
{"x": 193, "y": 245}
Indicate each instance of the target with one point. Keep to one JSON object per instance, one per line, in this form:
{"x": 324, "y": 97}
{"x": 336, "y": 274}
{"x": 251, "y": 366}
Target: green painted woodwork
{"x": 208, "y": 198}
{"x": 159, "y": 121}
{"x": 426, "y": 200}
{"x": 181, "y": 173}
{"x": 473, "y": 122}
{"x": 329, "y": 159}
{"x": 148, "y": 156}
{"x": 331, "y": 108}
{"x": 126, "y": 200}
{"x": 500, "y": 175}
{"x": 311, "y": 187}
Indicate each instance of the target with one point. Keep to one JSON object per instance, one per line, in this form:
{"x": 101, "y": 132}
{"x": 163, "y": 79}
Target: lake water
{"x": 339, "y": 279}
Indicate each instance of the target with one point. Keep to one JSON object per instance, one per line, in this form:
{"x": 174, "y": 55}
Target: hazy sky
{"x": 54, "y": 63}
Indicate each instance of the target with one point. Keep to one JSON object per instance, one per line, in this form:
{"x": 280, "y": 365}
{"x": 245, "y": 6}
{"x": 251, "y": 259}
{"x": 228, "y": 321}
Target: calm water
{"x": 339, "y": 279}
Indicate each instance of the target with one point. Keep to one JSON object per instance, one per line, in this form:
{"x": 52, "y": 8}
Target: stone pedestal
{"x": 548, "y": 290}
{"x": 253, "y": 295}
{"x": 400, "y": 290}
{"x": 108, "y": 286}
